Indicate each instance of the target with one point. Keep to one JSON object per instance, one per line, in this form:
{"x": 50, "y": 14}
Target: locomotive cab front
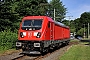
{"x": 31, "y": 35}
{"x": 32, "y": 27}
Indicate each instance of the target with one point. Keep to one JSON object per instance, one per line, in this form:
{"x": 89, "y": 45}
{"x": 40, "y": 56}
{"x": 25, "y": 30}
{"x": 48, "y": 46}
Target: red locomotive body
{"x": 41, "y": 33}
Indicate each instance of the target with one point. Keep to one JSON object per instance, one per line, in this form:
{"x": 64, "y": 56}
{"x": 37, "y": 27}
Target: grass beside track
{"x": 77, "y": 52}
{"x": 8, "y": 52}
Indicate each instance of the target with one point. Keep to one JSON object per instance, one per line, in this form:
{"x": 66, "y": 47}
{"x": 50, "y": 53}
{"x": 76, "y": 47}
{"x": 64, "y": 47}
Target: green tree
{"x": 72, "y": 26}
{"x": 82, "y": 22}
{"x": 66, "y": 22}
{"x": 60, "y": 10}
{"x": 80, "y": 32}
{"x": 85, "y": 17}
{"x": 77, "y": 24}
{"x": 31, "y": 7}
{"x": 8, "y": 18}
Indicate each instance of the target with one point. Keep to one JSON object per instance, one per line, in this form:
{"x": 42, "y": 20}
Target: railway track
{"x": 47, "y": 56}
{"x": 26, "y": 57}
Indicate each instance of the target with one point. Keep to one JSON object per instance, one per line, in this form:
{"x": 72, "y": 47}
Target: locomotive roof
{"x": 58, "y": 23}
{"x": 34, "y": 17}
{"x": 61, "y": 24}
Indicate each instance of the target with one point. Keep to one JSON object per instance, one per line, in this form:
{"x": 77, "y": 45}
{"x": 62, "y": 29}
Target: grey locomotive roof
{"x": 61, "y": 24}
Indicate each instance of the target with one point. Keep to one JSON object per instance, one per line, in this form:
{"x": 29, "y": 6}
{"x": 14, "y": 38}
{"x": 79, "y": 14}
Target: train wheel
{"x": 67, "y": 42}
{"x": 44, "y": 51}
{"x": 51, "y": 49}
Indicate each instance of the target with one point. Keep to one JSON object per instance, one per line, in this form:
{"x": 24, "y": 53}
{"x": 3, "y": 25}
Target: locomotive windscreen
{"x": 35, "y": 24}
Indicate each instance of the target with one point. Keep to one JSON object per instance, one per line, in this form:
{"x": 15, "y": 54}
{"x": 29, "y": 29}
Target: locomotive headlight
{"x": 36, "y": 44}
{"x": 22, "y": 34}
{"x": 18, "y": 44}
{"x": 37, "y": 34}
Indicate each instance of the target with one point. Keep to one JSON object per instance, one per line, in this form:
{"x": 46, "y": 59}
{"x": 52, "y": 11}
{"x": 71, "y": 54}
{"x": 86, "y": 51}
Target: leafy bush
{"x": 7, "y": 40}
{"x": 80, "y": 32}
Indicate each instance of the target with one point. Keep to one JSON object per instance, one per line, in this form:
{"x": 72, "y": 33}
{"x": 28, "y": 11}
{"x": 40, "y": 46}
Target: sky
{"x": 76, "y": 7}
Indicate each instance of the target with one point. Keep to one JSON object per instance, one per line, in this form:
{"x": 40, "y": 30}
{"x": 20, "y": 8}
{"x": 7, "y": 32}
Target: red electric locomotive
{"x": 38, "y": 34}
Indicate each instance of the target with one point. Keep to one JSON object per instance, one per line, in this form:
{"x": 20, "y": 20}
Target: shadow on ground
{"x": 88, "y": 41}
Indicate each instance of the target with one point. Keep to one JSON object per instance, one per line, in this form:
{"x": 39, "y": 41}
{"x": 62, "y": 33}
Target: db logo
{"x": 29, "y": 34}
